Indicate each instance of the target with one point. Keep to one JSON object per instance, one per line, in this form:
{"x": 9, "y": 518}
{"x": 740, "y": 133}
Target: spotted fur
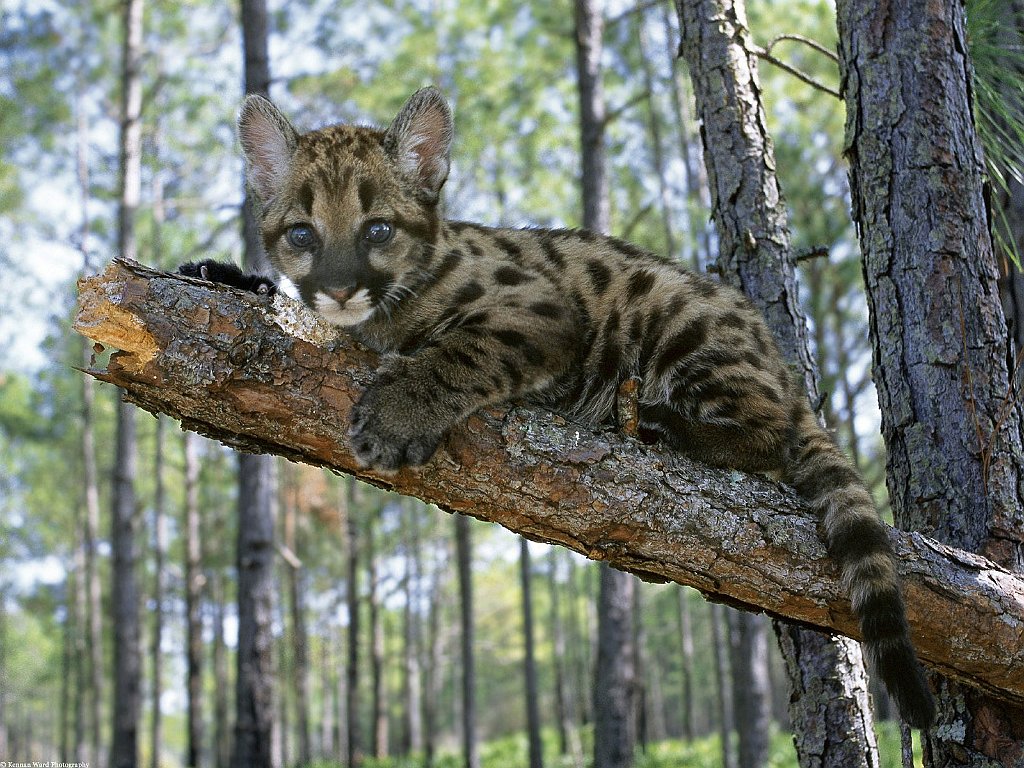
{"x": 467, "y": 316}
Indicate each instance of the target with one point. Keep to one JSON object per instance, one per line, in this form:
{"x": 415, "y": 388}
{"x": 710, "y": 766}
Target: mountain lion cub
{"x": 466, "y": 316}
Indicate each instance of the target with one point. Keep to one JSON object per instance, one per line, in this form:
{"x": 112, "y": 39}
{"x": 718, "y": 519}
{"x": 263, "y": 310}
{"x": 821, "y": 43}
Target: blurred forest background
{"x": 368, "y": 619}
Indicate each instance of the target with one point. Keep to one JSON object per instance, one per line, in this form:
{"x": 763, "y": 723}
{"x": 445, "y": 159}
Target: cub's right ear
{"x": 268, "y": 141}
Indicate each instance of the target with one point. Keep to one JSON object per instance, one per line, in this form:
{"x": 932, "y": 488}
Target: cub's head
{"x": 349, "y": 213}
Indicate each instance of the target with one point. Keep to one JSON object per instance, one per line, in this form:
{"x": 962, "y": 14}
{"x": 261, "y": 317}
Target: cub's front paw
{"x": 229, "y": 274}
{"x": 387, "y": 432}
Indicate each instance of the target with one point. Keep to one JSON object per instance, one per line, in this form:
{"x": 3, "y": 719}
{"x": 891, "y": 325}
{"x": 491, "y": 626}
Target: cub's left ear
{"x": 419, "y": 140}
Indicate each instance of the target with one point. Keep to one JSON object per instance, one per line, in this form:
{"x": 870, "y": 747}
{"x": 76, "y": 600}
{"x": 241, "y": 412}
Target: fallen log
{"x": 267, "y": 376}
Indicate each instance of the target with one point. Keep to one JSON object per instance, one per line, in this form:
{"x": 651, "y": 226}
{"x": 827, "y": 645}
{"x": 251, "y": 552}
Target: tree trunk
{"x": 194, "y": 581}
{"x": 754, "y": 255}
{"x": 353, "y": 744}
{"x": 614, "y": 674}
{"x": 565, "y": 693}
{"x": 464, "y": 558}
{"x": 751, "y": 696}
{"x": 300, "y": 643}
{"x": 378, "y": 696}
{"x": 412, "y": 736}
{"x": 125, "y": 592}
{"x": 951, "y": 423}
{"x": 614, "y": 690}
{"x": 723, "y": 679}
{"x": 90, "y": 635}
{"x": 222, "y": 744}
{"x": 159, "y": 587}
{"x": 255, "y": 739}
{"x": 686, "y": 641}
{"x": 529, "y": 662}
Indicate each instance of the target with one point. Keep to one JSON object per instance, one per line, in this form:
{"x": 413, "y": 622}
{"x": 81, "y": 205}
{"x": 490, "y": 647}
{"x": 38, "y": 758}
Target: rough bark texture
{"x": 464, "y": 557}
{"x": 950, "y": 420}
{"x": 194, "y": 582}
{"x": 125, "y": 590}
{"x": 256, "y": 741}
{"x": 529, "y": 662}
{"x": 827, "y": 680}
{"x": 269, "y": 376}
{"x": 615, "y": 673}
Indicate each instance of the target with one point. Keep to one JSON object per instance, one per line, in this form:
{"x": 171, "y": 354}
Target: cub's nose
{"x": 340, "y": 295}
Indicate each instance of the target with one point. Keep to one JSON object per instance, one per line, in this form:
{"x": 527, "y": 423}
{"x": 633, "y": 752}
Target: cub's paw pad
{"x": 229, "y": 274}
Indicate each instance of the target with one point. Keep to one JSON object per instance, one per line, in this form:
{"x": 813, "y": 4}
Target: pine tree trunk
{"x": 723, "y": 682}
{"x": 751, "y": 700}
{"x": 254, "y": 744}
{"x": 90, "y": 641}
{"x": 255, "y": 741}
{"x": 412, "y": 736}
{"x": 686, "y": 640}
{"x": 614, "y": 691}
{"x": 529, "y": 662}
{"x": 464, "y": 558}
{"x": 353, "y": 744}
{"x": 221, "y": 729}
{"x": 951, "y": 424}
{"x": 379, "y": 701}
{"x": 159, "y": 587}
{"x": 124, "y": 519}
{"x": 300, "y": 643}
{"x": 755, "y": 256}
{"x": 193, "y": 606}
{"x": 125, "y": 594}
{"x": 614, "y": 680}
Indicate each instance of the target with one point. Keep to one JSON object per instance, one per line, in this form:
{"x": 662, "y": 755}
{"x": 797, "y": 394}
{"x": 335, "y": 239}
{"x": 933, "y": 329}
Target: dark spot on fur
{"x": 367, "y": 194}
{"x": 732, "y": 320}
{"x": 551, "y": 253}
{"x": 510, "y": 276}
{"x": 510, "y": 338}
{"x": 640, "y": 284}
{"x": 600, "y": 275}
{"x": 546, "y": 309}
{"x": 683, "y": 343}
{"x": 306, "y": 199}
{"x": 468, "y": 293}
{"x": 510, "y": 247}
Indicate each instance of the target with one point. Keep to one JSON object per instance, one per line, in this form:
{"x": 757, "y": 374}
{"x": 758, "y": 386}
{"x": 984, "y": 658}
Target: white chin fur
{"x": 354, "y": 311}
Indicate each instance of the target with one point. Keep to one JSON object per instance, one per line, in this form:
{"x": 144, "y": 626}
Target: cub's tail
{"x": 857, "y": 540}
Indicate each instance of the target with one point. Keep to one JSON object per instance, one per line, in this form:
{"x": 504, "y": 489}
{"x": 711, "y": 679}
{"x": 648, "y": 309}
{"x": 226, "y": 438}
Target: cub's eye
{"x": 377, "y": 232}
{"x": 301, "y": 236}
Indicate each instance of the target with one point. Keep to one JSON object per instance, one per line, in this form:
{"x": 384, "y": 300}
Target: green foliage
{"x": 997, "y": 54}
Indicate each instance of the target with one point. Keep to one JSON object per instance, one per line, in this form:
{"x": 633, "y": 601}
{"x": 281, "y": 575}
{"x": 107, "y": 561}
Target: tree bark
{"x": 194, "y": 581}
{"x": 529, "y": 662}
{"x": 300, "y": 643}
{"x": 755, "y": 256}
{"x": 353, "y": 743}
{"x": 614, "y": 705}
{"x": 723, "y": 678}
{"x": 159, "y": 587}
{"x": 464, "y": 558}
{"x": 255, "y": 744}
{"x": 614, "y": 674}
{"x": 255, "y": 738}
{"x": 412, "y": 735}
{"x": 751, "y": 694}
{"x": 272, "y": 377}
{"x": 374, "y": 599}
{"x": 951, "y": 422}
{"x": 124, "y": 522}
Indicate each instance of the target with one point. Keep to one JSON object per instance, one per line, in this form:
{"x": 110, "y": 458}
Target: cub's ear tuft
{"x": 268, "y": 141}
{"x": 419, "y": 140}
